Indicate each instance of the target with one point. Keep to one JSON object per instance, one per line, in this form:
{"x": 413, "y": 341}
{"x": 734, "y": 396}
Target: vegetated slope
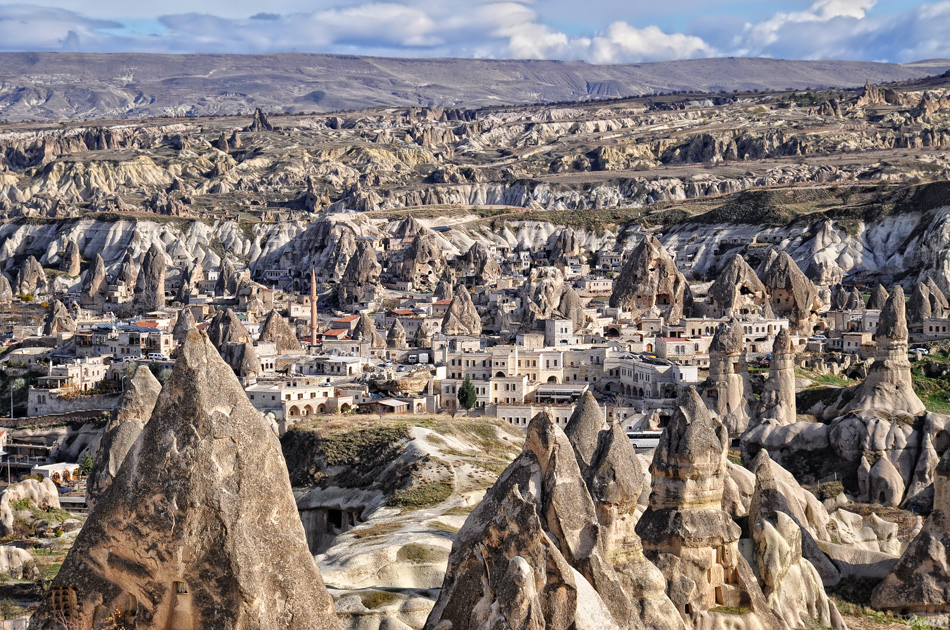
{"x": 116, "y": 85}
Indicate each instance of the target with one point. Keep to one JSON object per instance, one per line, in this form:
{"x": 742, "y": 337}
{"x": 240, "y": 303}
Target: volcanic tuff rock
{"x": 360, "y": 280}
{"x": 69, "y": 264}
{"x": 424, "y": 263}
{"x": 728, "y": 389}
{"x": 684, "y": 530}
{"x": 232, "y": 340}
{"x": 462, "y": 318}
{"x": 277, "y": 329}
{"x": 396, "y": 338}
{"x": 778, "y": 399}
{"x": 6, "y": 291}
{"x": 920, "y": 582}
{"x": 199, "y": 528}
{"x": 31, "y": 278}
{"x": 540, "y": 296}
{"x": 58, "y": 320}
{"x": 478, "y": 263}
{"x": 792, "y": 294}
{"x": 365, "y": 330}
{"x": 190, "y": 279}
{"x": 185, "y": 322}
{"x": 260, "y": 122}
{"x": 43, "y": 495}
{"x": 737, "y": 290}
{"x": 150, "y": 284}
{"x": 878, "y": 297}
{"x": 583, "y": 430}
{"x": 124, "y": 427}
{"x": 549, "y": 571}
{"x": 927, "y": 301}
{"x": 790, "y": 583}
{"x": 650, "y": 282}
{"x": 94, "y": 284}
{"x": 888, "y": 386}
{"x": 571, "y": 307}
{"x": 444, "y": 290}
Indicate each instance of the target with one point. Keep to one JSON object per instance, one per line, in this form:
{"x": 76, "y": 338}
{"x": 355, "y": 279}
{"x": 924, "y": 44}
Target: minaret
{"x": 313, "y": 308}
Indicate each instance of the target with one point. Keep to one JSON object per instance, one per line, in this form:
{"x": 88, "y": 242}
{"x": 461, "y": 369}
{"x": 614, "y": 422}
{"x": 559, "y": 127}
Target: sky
{"x": 596, "y": 31}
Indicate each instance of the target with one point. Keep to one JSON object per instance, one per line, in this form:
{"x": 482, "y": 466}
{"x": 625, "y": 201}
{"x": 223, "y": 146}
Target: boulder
{"x": 42, "y": 495}
{"x": 123, "y": 429}
{"x": 199, "y": 529}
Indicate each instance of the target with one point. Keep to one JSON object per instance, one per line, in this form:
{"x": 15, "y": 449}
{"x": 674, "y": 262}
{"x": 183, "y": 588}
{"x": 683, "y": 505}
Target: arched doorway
{"x": 552, "y": 379}
{"x": 294, "y": 411}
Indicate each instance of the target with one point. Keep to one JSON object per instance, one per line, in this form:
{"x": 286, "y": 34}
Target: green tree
{"x": 85, "y": 464}
{"x": 467, "y": 395}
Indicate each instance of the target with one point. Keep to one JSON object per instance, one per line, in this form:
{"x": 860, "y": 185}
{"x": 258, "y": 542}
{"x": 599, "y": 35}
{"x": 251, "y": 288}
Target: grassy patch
{"x": 377, "y": 599}
{"x": 731, "y": 610}
{"x": 459, "y": 511}
{"x": 376, "y": 530}
{"x": 933, "y": 392}
{"x": 50, "y": 571}
{"x": 829, "y": 490}
{"x": 422, "y": 496}
{"x": 418, "y": 554}
{"x": 439, "y": 526}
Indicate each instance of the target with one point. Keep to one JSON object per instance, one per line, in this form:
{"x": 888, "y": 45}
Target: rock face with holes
{"x": 728, "y": 391}
{"x": 778, "y": 399}
{"x": 920, "y": 582}
{"x": 365, "y": 330}
{"x": 125, "y": 426}
{"x": 423, "y": 264}
{"x": 736, "y": 291}
{"x": 685, "y": 531}
{"x": 650, "y": 283}
{"x": 791, "y": 293}
{"x": 58, "y": 320}
{"x": 199, "y": 529}
{"x": 150, "y": 284}
{"x": 30, "y": 278}
{"x": 360, "y": 280}
{"x": 94, "y": 285}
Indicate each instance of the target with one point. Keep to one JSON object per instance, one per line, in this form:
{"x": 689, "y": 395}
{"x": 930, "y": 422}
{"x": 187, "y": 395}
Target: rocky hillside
{"x": 41, "y": 86}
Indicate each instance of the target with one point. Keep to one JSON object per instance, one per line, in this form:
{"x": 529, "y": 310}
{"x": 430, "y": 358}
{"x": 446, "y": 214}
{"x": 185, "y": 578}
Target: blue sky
{"x": 598, "y": 31}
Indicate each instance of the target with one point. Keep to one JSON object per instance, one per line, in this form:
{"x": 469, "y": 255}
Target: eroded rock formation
{"x": 651, "y": 283}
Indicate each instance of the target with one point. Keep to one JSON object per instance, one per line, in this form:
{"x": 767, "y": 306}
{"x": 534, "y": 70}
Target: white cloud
{"x": 482, "y": 28}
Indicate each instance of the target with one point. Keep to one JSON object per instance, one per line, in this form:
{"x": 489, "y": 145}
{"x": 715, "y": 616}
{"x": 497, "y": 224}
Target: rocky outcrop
{"x": 43, "y": 495}
{"x": 190, "y": 280}
{"x": 791, "y": 293}
{"x": 927, "y": 301}
{"x": 462, "y": 318}
{"x": 737, "y": 291}
{"x": 277, "y": 330}
{"x": 70, "y": 260}
{"x": 360, "y": 281}
{"x": 58, "y": 320}
{"x": 259, "y": 122}
{"x": 232, "y": 340}
{"x": 184, "y": 323}
{"x": 792, "y": 586}
{"x": 6, "y": 291}
{"x": 94, "y": 284}
{"x": 878, "y": 297}
{"x": 30, "y": 278}
{"x": 531, "y": 555}
{"x": 888, "y": 386}
{"x": 124, "y": 427}
{"x": 365, "y": 330}
{"x": 150, "y": 284}
{"x": 479, "y": 265}
{"x": 685, "y": 531}
{"x": 728, "y": 389}
{"x": 199, "y": 529}
{"x": 650, "y": 283}
{"x": 571, "y": 307}
{"x": 423, "y": 264}
{"x": 396, "y": 338}
{"x": 920, "y": 582}
{"x": 444, "y": 290}
{"x": 583, "y": 430}
{"x": 778, "y": 397}
{"x": 540, "y": 296}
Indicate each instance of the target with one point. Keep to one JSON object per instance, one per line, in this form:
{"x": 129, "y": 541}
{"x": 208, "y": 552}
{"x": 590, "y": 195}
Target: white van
{"x": 156, "y": 356}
